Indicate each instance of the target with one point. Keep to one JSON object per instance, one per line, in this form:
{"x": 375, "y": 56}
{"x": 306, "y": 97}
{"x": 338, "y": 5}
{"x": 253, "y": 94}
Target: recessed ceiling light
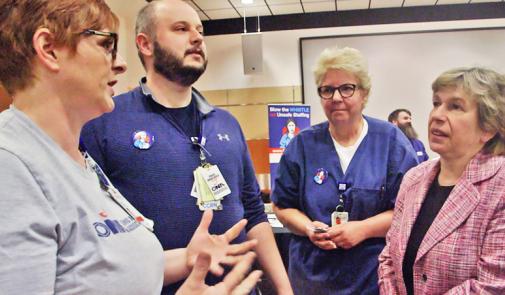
{"x": 247, "y": 1}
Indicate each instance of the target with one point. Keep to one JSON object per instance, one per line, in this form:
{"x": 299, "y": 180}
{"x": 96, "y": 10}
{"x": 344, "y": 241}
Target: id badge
{"x": 202, "y": 188}
{"x": 339, "y": 216}
{"x": 215, "y": 181}
{"x": 214, "y": 205}
{"x": 194, "y": 191}
{"x": 202, "y": 192}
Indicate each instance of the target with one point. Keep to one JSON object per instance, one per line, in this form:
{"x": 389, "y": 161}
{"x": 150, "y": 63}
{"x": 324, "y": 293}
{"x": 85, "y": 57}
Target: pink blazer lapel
{"x": 459, "y": 205}
{"x": 414, "y": 198}
{"x": 461, "y": 202}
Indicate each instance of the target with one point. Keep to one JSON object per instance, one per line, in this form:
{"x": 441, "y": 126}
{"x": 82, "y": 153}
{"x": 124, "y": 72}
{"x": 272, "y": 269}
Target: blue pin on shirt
{"x": 321, "y": 176}
{"x": 142, "y": 140}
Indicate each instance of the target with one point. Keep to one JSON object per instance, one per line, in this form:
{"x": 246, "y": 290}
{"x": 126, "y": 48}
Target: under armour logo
{"x": 222, "y": 137}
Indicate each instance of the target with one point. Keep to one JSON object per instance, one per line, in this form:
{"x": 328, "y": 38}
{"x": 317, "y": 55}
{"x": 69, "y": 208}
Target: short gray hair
{"x": 146, "y": 23}
{"x": 345, "y": 59}
{"x": 487, "y": 88}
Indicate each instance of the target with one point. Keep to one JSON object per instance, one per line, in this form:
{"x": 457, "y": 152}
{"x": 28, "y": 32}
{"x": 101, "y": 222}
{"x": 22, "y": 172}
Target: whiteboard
{"x": 402, "y": 67}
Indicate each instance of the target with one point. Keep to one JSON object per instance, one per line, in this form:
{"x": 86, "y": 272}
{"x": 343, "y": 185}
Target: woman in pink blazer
{"x": 448, "y": 230}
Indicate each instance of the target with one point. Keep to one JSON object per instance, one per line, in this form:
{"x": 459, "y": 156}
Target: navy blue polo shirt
{"x": 157, "y": 180}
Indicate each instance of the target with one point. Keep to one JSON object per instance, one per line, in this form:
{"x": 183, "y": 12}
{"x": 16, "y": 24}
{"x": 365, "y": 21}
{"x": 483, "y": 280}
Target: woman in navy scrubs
{"x": 337, "y": 183}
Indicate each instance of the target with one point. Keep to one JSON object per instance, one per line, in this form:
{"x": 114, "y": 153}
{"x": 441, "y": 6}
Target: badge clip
{"x": 203, "y": 151}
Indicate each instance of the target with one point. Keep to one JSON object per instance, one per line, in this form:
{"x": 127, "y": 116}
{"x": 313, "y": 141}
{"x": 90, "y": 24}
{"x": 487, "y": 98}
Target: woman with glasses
{"x": 65, "y": 229}
{"x": 337, "y": 183}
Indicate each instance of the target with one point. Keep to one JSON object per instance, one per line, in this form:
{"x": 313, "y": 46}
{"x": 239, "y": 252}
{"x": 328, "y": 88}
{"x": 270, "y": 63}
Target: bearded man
{"x": 193, "y": 156}
{"x": 402, "y": 118}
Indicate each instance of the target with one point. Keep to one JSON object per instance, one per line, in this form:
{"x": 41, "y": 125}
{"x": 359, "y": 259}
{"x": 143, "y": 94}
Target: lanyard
{"x": 113, "y": 193}
{"x": 342, "y": 187}
{"x": 199, "y": 140}
{"x": 197, "y": 122}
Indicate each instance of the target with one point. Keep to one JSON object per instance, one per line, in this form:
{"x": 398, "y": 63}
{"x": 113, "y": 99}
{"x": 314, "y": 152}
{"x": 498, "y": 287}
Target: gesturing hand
{"x": 235, "y": 282}
{"x": 217, "y": 247}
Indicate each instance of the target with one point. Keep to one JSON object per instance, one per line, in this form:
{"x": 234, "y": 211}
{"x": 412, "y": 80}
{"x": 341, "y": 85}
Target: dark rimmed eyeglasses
{"x": 111, "y": 45}
{"x": 345, "y": 91}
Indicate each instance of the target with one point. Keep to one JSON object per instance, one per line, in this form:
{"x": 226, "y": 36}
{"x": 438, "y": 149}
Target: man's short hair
{"x": 394, "y": 115}
{"x": 66, "y": 19}
{"x": 146, "y": 24}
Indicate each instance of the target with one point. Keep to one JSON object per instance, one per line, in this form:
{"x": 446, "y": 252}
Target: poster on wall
{"x": 284, "y": 123}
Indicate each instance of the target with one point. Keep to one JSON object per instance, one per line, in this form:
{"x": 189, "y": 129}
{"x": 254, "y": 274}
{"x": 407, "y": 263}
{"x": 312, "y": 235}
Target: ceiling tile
{"x": 238, "y": 3}
{"x": 221, "y": 13}
{"x": 386, "y": 3}
{"x": 352, "y": 5}
{"x": 212, "y": 4}
{"x": 318, "y": 6}
{"x": 286, "y": 8}
{"x": 443, "y": 2}
{"x": 254, "y": 10}
{"x": 202, "y": 16}
{"x": 192, "y": 4}
{"x": 419, "y": 2}
{"x": 277, "y": 2}
{"x": 482, "y": 1}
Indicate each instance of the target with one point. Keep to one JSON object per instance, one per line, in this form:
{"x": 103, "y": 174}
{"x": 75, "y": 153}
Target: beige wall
{"x": 224, "y": 82}
{"x": 249, "y": 105}
{"x": 127, "y": 10}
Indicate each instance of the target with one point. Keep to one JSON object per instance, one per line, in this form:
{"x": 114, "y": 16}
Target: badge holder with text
{"x": 209, "y": 186}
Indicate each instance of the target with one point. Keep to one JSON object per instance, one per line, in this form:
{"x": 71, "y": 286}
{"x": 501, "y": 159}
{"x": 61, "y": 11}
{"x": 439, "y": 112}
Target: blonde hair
{"x": 487, "y": 88}
{"x": 344, "y": 59}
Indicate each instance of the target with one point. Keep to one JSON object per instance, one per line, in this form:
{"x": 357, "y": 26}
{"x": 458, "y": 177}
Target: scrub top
{"x": 372, "y": 179}
{"x": 419, "y": 149}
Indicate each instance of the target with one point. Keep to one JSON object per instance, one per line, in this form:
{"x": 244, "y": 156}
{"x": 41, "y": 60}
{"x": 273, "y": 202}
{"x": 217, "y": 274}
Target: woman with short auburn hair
{"x": 65, "y": 228}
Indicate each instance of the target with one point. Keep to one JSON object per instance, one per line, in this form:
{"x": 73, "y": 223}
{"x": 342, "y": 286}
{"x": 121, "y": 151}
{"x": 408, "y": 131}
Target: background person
{"x": 67, "y": 230}
{"x": 186, "y": 132}
{"x": 449, "y": 220}
{"x": 402, "y": 118}
{"x": 352, "y": 161}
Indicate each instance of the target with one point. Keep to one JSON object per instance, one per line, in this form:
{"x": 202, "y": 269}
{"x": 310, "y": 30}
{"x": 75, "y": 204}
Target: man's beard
{"x": 408, "y": 130}
{"x": 172, "y": 68}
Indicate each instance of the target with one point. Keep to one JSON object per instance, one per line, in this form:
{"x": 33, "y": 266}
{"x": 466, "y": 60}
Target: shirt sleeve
{"x": 425, "y": 154}
{"x": 94, "y": 141}
{"x": 29, "y": 234}
{"x": 286, "y": 190}
{"x": 402, "y": 157}
{"x": 254, "y": 209}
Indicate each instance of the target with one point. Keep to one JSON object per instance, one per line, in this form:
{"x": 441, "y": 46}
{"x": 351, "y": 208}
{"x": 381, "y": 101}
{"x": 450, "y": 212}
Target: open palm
{"x": 218, "y": 247}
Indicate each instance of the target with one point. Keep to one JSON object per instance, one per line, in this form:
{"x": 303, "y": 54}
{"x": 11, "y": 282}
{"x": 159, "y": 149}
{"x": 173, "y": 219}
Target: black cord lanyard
{"x": 197, "y": 141}
{"x": 342, "y": 187}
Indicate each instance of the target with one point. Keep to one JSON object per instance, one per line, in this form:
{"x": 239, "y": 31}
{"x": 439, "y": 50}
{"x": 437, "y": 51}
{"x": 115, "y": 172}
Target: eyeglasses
{"x": 110, "y": 45}
{"x": 345, "y": 91}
